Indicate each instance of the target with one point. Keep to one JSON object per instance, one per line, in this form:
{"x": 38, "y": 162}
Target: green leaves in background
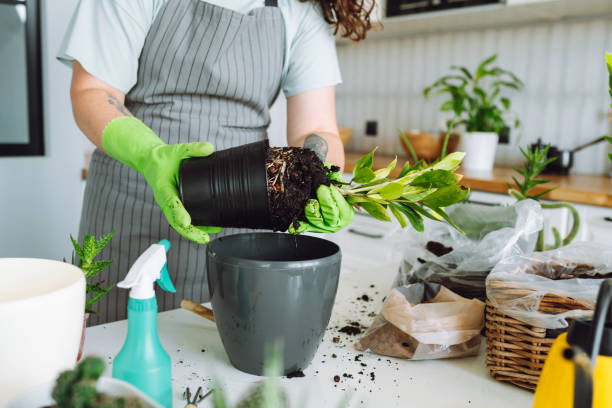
{"x": 421, "y": 190}
{"x": 535, "y": 162}
{"x": 476, "y": 97}
{"x": 87, "y": 253}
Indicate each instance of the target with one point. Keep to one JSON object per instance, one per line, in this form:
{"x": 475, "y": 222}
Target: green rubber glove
{"x": 134, "y": 144}
{"x": 330, "y": 212}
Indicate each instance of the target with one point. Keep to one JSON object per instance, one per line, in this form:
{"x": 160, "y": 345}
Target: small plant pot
{"x": 479, "y": 148}
{"x": 268, "y": 288}
{"x": 227, "y": 188}
{"x": 82, "y": 337}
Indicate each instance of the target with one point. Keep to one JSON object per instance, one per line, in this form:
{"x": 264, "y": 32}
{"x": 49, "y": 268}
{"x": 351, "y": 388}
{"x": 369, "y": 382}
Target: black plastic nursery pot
{"x": 272, "y": 288}
{"x": 227, "y": 188}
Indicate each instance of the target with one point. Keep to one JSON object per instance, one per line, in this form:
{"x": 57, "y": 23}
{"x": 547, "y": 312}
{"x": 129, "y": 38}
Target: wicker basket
{"x": 516, "y": 351}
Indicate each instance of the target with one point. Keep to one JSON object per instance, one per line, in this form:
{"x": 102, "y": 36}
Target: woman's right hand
{"x": 130, "y": 141}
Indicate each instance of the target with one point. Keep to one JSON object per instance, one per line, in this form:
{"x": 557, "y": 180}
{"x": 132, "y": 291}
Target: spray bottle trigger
{"x": 164, "y": 281}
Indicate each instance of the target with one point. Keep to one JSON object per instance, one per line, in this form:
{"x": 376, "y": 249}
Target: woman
{"x": 156, "y": 81}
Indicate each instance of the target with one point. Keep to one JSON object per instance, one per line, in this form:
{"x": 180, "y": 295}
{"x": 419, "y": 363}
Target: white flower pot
{"x": 42, "y": 304}
{"x": 479, "y": 148}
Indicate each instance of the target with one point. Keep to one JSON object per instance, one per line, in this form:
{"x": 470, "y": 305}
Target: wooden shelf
{"x": 496, "y": 15}
{"x": 575, "y": 188}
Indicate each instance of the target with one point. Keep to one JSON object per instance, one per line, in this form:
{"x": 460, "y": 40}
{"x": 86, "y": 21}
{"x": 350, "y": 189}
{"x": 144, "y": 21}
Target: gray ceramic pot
{"x": 267, "y": 287}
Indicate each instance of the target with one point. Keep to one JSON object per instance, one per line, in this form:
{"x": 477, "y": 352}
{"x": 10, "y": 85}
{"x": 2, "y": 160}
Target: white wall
{"x": 565, "y": 101}
{"x": 40, "y": 197}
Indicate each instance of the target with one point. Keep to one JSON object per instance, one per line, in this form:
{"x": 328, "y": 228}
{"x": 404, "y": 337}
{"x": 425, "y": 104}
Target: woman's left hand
{"x": 330, "y": 212}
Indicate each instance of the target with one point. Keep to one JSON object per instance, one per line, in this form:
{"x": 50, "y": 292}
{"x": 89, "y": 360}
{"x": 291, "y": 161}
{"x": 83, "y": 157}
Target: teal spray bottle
{"x": 142, "y": 361}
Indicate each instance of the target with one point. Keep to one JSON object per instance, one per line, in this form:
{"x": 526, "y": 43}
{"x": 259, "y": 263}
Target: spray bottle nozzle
{"x": 151, "y": 266}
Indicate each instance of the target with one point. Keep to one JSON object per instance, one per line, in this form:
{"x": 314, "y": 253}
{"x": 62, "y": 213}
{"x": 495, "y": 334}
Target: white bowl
{"x": 40, "y": 395}
{"x": 42, "y": 305}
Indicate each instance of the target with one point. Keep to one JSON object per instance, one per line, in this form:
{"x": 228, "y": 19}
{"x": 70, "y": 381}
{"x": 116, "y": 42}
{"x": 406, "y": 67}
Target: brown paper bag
{"x": 425, "y": 321}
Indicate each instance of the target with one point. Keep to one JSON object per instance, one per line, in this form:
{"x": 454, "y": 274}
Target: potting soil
{"x": 294, "y": 174}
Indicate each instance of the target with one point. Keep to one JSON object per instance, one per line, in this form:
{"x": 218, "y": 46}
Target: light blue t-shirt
{"x": 107, "y": 36}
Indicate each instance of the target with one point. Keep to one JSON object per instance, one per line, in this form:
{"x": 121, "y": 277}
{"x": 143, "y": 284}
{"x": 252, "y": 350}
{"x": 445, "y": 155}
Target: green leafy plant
{"x": 420, "y": 190}
{"x": 609, "y": 64}
{"x": 77, "y": 388}
{"x": 535, "y": 162}
{"x": 87, "y": 253}
{"x": 476, "y": 98}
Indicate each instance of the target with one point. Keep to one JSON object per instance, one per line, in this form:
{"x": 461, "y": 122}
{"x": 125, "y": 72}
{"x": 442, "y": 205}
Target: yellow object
{"x": 556, "y": 384}
{"x": 571, "y": 378}
{"x": 345, "y": 135}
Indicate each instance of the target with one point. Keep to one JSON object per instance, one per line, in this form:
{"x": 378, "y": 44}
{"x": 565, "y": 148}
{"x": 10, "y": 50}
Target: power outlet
{"x": 504, "y": 135}
{"x": 371, "y": 128}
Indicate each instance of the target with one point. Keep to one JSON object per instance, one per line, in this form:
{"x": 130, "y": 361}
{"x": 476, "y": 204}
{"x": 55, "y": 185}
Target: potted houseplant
{"x": 478, "y": 102}
{"x": 86, "y": 253}
{"x": 261, "y": 187}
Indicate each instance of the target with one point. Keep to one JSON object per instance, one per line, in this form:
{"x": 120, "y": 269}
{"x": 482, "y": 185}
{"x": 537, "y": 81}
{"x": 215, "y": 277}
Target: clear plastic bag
{"x": 545, "y": 288}
{"x": 461, "y": 262}
{"x": 425, "y": 321}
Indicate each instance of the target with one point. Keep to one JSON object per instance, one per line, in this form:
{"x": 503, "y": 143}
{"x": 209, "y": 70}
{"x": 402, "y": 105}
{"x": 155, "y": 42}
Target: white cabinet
{"x": 596, "y": 224}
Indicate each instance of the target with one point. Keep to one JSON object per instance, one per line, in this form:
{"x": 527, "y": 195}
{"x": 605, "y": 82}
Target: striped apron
{"x": 206, "y": 73}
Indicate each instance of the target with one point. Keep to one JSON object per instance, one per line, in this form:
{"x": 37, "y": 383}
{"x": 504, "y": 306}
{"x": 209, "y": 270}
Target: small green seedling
{"x": 86, "y": 253}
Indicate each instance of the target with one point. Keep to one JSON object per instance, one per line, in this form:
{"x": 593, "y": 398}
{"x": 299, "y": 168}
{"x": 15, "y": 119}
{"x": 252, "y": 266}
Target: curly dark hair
{"x": 349, "y": 17}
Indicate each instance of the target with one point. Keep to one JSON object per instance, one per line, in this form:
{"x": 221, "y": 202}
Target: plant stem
{"x": 450, "y": 128}
{"x": 575, "y": 219}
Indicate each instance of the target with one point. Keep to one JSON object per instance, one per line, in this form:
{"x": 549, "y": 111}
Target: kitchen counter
{"x": 576, "y": 188}
{"x": 368, "y": 267}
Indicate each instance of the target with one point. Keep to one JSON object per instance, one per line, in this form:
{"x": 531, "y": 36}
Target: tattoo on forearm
{"x": 317, "y": 144}
{"x": 118, "y": 105}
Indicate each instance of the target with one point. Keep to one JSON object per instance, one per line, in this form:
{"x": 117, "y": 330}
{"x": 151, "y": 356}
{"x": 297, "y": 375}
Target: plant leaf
{"x": 480, "y": 71}
{"x": 440, "y": 211}
{"x": 391, "y": 191}
{"x": 376, "y": 210}
{"x": 435, "y": 178}
{"x": 506, "y": 102}
{"x": 415, "y": 219}
{"x": 77, "y": 247}
{"x": 397, "y": 213}
{"x": 450, "y": 162}
{"x": 101, "y": 243}
{"x": 363, "y": 175}
{"x": 366, "y": 161}
{"x": 353, "y": 199}
{"x": 446, "y": 106}
{"x": 465, "y": 71}
{"x": 422, "y": 211}
{"x": 383, "y": 173}
{"x": 95, "y": 268}
{"x": 447, "y": 196}
{"x": 94, "y": 299}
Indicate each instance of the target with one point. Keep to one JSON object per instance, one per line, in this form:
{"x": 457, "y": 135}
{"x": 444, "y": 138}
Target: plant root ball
{"x": 294, "y": 174}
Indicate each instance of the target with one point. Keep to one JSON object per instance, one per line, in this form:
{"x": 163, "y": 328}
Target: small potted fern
{"x": 90, "y": 267}
{"x": 477, "y": 101}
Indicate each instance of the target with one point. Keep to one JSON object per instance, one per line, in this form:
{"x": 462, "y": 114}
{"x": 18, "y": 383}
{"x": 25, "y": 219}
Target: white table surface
{"x": 198, "y": 357}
